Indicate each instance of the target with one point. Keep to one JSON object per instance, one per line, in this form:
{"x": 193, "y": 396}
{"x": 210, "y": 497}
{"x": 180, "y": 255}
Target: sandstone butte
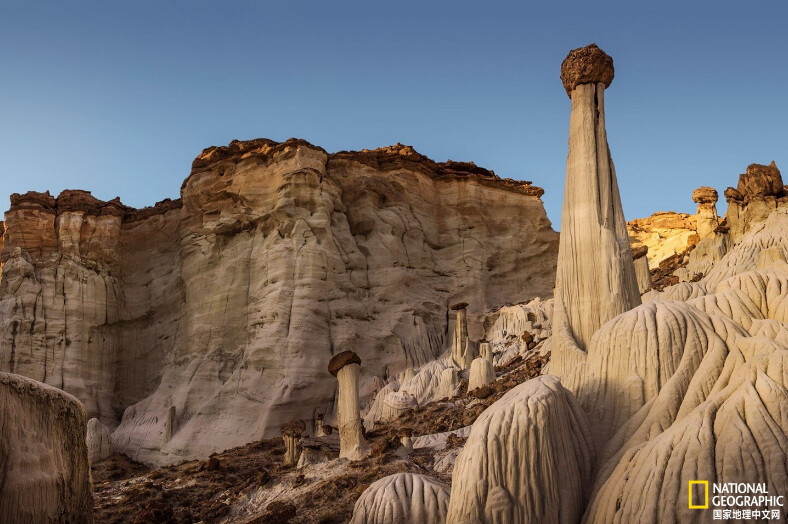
{"x": 224, "y": 317}
{"x": 216, "y": 313}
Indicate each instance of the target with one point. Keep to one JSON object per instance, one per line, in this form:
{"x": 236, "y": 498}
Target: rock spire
{"x": 346, "y": 366}
{"x": 596, "y": 277}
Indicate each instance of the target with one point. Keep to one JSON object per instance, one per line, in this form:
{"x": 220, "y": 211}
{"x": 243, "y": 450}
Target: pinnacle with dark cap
{"x": 586, "y": 65}
{"x": 341, "y": 360}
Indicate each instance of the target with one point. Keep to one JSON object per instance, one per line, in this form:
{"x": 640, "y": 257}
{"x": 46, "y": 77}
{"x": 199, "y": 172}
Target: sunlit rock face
{"x": 227, "y": 303}
{"x": 595, "y": 278}
{"x": 760, "y": 191}
{"x": 665, "y": 234}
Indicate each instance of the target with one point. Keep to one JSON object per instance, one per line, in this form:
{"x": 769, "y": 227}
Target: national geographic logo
{"x": 705, "y": 485}
{"x": 735, "y": 500}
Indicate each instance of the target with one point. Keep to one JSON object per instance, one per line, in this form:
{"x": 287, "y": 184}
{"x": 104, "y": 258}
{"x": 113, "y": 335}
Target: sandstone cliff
{"x": 665, "y": 233}
{"x": 206, "y": 322}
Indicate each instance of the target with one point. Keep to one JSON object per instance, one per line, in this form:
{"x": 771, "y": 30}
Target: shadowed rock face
{"x": 228, "y": 302}
{"x": 43, "y": 454}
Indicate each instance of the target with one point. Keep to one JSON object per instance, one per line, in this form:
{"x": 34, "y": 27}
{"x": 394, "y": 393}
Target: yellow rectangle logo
{"x": 705, "y": 484}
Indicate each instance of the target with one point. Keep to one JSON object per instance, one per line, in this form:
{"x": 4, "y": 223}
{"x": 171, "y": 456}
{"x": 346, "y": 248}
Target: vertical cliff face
{"x": 66, "y": 318}
{"x": 227, "y": 304}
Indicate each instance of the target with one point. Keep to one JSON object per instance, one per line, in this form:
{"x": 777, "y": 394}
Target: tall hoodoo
{"x": 596, "y": 277}
{"x": 462, "y": 349}
{"x": 346, "y": 366}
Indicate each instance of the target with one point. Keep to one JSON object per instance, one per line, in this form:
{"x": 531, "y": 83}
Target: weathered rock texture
{"x": 463, "y": 349}
{"x": 586, "y": 65}
{"x": 596, "y": 277}
{"x": 291, "y": 434}
{"x": 759, "y": 192}
{"x": 482, "y": 373}
{"x": 528, "y": 458}
{"x": 99, "y": 440}
{"x": 665, "y": 234}
{"x": 346, "y": 367}
{"x": 226, "y": 303}
{"x": 707, "y": 219}
{"x": 43, "y": 456}
{"x": 403, "y": 498}
{"x": 642, "y": 272}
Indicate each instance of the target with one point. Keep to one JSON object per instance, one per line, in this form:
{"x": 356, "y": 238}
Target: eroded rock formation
{"x": 707, "y": 219}
{"x": 403, "y": 498}
{"x": 759, "y": 192}
{"x": 291, "y": 434}
{"x": 528, "y": 458}
{"x": 99, "y": 441}
{"x": 463, "y": 349}
{"x": 346, "y": 367}
{"x": 596, "y": 278}
{"x": 642, "y": 272}
{"x": 482, "y": 373}
{"x": 665, "y": 234}
{"x": 43, "y": 455}
{"x": 226, "y": 303}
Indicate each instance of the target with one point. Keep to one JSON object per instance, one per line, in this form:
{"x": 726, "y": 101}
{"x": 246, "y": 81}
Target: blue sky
{"x": 118, "y": 98}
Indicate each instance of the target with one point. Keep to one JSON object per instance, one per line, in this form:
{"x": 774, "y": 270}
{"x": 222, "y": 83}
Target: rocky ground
{"x": 251, "y": 484}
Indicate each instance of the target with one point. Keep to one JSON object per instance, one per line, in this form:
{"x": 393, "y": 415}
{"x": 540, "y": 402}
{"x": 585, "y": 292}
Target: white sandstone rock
{"x": 596, "y": 276}
{"x": 403, "y": 498}
{"x": 528, "y": 458}
{"x": 395, "y": 404}
{"x": 449, "y": 382}
{"x": 485, "y": 351}
{"x": 463, "y": 350}
{"x": 482, "y": 373}
{"x": 643, "y": 274}
{"x": 352, "y": 445}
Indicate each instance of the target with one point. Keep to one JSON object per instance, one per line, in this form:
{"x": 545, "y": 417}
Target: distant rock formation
{"x": 43, "y": 455}
{"x": 707, "y": 221}
{"x": 463, "y": 349}
{"x": 665, "y": 234}
{"x": 226, "y": 303}
{"x": 759, "y": 192}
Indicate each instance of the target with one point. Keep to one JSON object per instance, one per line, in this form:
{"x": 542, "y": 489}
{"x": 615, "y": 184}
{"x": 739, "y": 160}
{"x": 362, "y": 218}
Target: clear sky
{"x": 119, "y": 97}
